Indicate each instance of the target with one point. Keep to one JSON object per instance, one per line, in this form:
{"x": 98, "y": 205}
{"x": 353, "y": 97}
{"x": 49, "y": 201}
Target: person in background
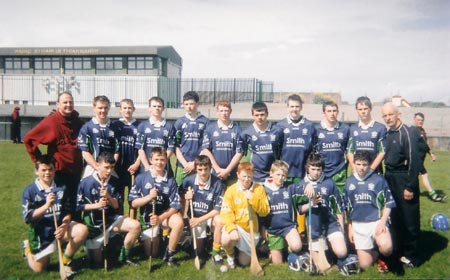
{"x": 425, "y": 149}
{"x": 16, "y": 123}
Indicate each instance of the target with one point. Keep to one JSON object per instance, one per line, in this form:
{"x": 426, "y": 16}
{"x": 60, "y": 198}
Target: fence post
{"x": 234, "y": 90}
{"x": 214, "y": 93}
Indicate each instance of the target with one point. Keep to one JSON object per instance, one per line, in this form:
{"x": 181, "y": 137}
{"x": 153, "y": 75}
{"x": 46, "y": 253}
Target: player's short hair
{"x": 44, "y": 159}
{"x": 191, "y": 95}
{"x": 365, "y": 101}
{"x": 202, "y": 160}
{"x": 246, "y": 166}
{"x": 106, "y": 157}
{"x": 127, "y": 101}
{"x": 156, "y": 99}
{"x": 315, "y": 159}
{"x": 223, "y": 103}
{"x": 158, "y": 151}
{"x": 279, "y": 165}
{"x": 62, "y": 93}
{"x": 330, "y": 103}
{"x": 259, "y": 107}
{"x": 361, "y": 155}
{"x": 420, "y": 115}
{"x": 295, "y": 97}
{"x": 101, "y": 98}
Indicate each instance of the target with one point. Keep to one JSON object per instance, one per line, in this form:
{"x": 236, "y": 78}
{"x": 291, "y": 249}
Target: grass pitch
{"x": 16, "y": 171}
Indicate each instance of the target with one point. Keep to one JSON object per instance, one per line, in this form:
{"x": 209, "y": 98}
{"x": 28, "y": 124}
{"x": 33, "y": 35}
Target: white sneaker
{"x": 230, "y": 262}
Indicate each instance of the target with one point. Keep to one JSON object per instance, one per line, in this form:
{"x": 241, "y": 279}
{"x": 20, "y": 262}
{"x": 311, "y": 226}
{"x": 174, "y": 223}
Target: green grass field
{"x": 16, "y": 171}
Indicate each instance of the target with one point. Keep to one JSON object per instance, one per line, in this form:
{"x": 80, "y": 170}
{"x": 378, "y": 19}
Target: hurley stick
{"x": 194, "y": 239}
{"x": 255, "y": 267}
{"x": 62, "y": 271}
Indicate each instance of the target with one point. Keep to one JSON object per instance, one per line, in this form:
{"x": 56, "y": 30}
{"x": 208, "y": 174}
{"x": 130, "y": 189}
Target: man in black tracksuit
{"x": 402, "y": 170}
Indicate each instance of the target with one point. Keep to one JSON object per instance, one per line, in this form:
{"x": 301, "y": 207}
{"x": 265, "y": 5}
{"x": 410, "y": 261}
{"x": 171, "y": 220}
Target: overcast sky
{"x": 374, "y": 48}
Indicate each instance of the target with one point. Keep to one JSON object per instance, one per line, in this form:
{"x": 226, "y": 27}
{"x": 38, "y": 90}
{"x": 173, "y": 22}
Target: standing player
{"x": 155, "y": 187}
{"x": 262, "y": 139}
{"x": 96, "y": 136}
{"x": 96, "y": 193}
{"x": 297, "y": 142}
{"x": 367, "y": 135}
{"x": 369, "y": 202}
{"x": 125, "y": 131}
{"x": 222, "y": 144}
{"x": 331, "y": 143}
{"x": 206, "y": 192}
{"x": 59, "y": 132}
{"x": 326, "y": 213}
{"x": 240, "y": 198}
{"x": 39, "y": 200}
{"x": 156, "y": 132}
{"x": 424, "y": 149}
{"x": 189, "y": 136}
{"x": 279, "y": 224}
{"x": 402, "y": 164}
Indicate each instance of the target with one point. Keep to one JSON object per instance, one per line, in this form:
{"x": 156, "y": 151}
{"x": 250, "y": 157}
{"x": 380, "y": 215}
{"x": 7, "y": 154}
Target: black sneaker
{"x": 172, "y": 262}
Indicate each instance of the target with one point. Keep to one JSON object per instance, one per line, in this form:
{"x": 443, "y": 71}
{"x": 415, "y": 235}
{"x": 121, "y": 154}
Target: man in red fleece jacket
{"x": 59, "y": 131}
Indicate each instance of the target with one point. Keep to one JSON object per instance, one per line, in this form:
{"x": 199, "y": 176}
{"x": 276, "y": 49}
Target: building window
{"x": 47, "y": 65}
{"x": 140, "y": 65}
{"x": 78, "y": 65}
{"x": 109, "y": 65}
{"x": 17, "y": 65}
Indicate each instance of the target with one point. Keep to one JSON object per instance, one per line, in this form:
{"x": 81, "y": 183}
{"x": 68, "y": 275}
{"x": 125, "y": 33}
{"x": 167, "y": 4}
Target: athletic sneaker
{"x": 69, "y": 271}
{"x": 382, "y": 267}
{"x": 25, "y": 248}
{"x": 170, "y": 260}
{"x": 435, "y": 197}
{"x": 230, "y": 262}
{"x": 217, "y": 259}
{"x": 130, "y": 263}
{"x": 407, "y": 262}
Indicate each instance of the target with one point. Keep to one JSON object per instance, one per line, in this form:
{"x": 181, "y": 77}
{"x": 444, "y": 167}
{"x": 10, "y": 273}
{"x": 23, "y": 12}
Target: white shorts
{"x": 364, "y": 235}
{"x": 97, "y": 242}
{"x": 315, "y": 244}
{"x": 243, "y": 244}
{"x": 200, "y": 229}
{"x": 150, "y": 233}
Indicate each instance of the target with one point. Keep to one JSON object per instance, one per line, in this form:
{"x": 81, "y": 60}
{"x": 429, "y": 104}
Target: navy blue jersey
{"x": 152, "y": 135}
{"x": 367, "y": 138}
{"x": 332, "y": 146}
{"x": 223, "y": 142}
{"x": 366, "y": 198}
{"x": 297, "y": 142}
{"x": 264, "y": 147}
{"x": 189, "y": 135}
{"x": 89, "y": 193}
{"x": 168, "y": 196}
{"x": 96, "y": 138}
{"x": 206, "y": 198}
{"x": 323, "y": 215}
{"x": 282, "y": 215}
{"x": 41, "y": 231}
{"x": 126, "y": 134}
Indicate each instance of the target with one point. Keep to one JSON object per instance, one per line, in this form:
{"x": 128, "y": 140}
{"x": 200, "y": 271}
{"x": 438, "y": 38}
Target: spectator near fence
{"x": 15, "y": 126}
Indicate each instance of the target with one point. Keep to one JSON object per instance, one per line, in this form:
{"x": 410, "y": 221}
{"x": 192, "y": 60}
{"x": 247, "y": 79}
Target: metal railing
{"x": 43, "y": 90}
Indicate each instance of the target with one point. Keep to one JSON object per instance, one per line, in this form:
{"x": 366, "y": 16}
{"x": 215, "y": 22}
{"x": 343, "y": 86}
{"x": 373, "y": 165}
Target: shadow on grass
{"x": 431, "y": 243}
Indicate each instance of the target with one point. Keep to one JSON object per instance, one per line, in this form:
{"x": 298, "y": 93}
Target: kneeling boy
{"x": 96, "y": 193}
{"x": 39, "y": 200}
{"x": 206, "y": 192}
{"x": 156, "y": 196}
{"x": 369, "y": 202}
{"x": 240, "y": 203}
